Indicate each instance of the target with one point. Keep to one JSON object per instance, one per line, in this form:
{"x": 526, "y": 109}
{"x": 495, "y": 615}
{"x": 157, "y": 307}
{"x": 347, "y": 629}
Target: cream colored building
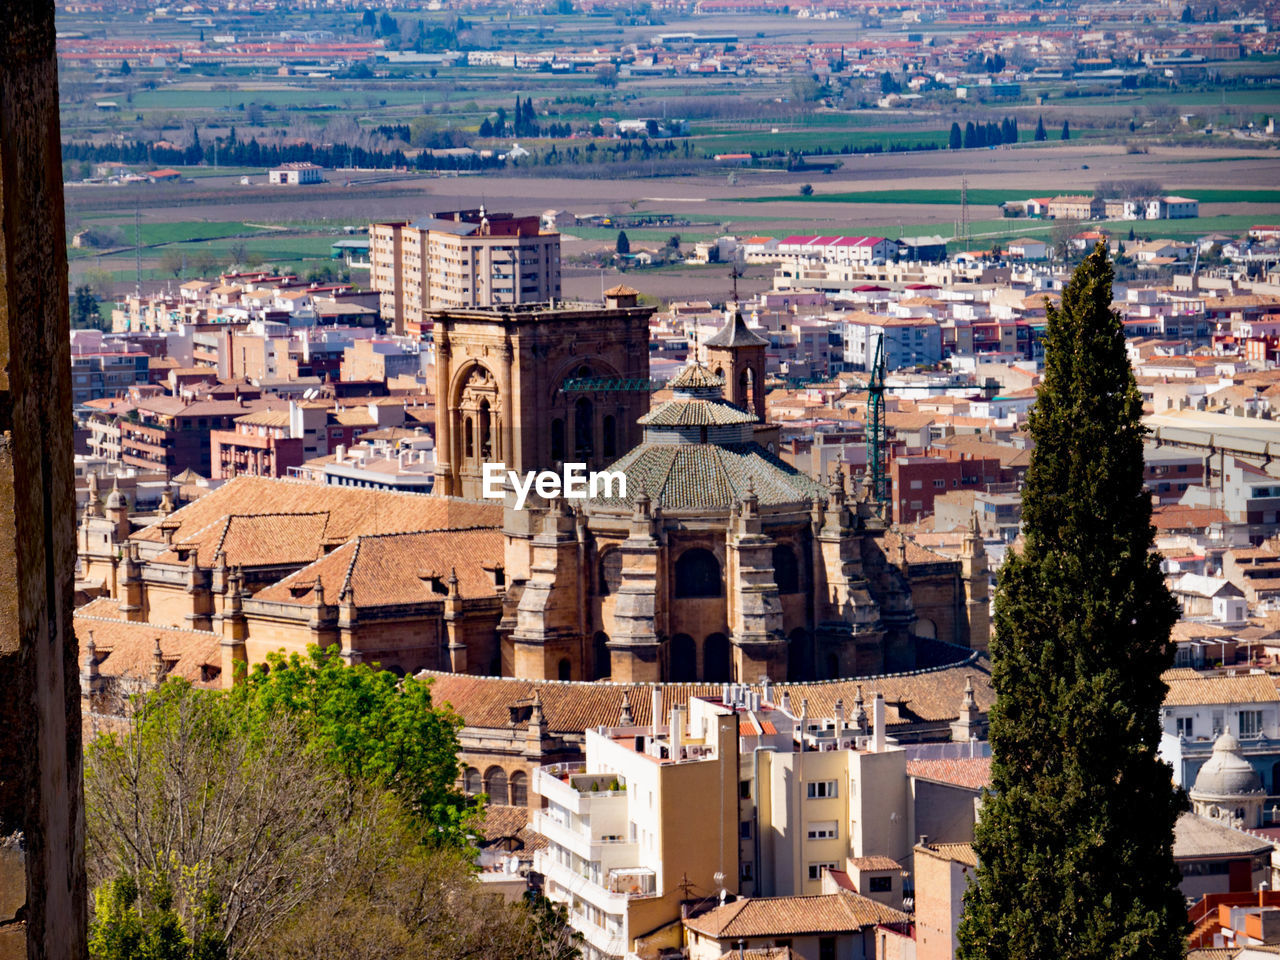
{"x": 645, "y": 823}
{"x": 458, "y": 260}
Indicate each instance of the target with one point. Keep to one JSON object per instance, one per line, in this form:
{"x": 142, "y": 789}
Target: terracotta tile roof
{"x": 915, "y": 552}
{"x": 839, "y": 912}
{"x": 973, "y": 773}
{"x": 352, "y": 511}
{"x": 931, "y": 696}
{"x": 502, "y": 822}
{"x": 255, "y": 540}
{"x": 958, "y": 852}
{"x": 874, "y": 863}
{"x": 1178, "y": 517}
{"x": 397, "y": 568}
{"x": 127, "y": 649}
{"x": 1199, "y": 690}
{"x": 103, "y": 607}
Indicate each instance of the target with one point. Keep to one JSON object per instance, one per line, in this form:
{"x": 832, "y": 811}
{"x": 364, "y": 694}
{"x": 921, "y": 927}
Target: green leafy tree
{"x": 375, "y": 727}
{"x": 1075, "y": 841}
{"x": 1041, "y": 134}
{"x": 806, "y": 190}
{"x": 957, "y": 140}
{"x": 1066, "y": 129}
{"x": 623, "y": 246}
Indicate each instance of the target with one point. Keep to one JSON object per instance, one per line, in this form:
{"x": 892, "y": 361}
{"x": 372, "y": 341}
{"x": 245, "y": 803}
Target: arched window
{"x": 683, "y": 657}
{"x": 698, "y": 574}
{"x": 471, "y": 784}
{"x": 601, "y": 657}
{"x": 557, "y": 439}
{"x": 786, "y": 571}
{"x": 583, "y": 428}
{"x": 495, "y": 785}
{"x": 519, "y": 789}
{"x": 486, "y": 431}
{"x": 610, "y": 438}
{"x": 564, "y": 669}
{"x": 610, "y": 572}
{"x": 926, "y": 628}
{"x": 469, "y": 435}
{"x": 716, "y": 662}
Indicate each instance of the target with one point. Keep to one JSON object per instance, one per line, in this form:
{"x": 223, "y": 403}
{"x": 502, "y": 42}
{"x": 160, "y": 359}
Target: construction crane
{"x": 876, "y": 428}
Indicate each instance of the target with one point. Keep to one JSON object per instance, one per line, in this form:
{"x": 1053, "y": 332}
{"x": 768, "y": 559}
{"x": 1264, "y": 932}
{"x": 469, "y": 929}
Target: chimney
{"x": 655, "y": 711}
{"x": 877, "y": 718}
{"x": 676, "y": 731}
{"x": 764, "y": 689}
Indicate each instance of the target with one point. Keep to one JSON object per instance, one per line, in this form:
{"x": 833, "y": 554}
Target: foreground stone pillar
{"x": 40, "y": 763}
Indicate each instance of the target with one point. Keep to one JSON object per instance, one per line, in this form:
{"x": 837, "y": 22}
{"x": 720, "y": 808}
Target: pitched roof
{"x": 927, "y": 696}
{"x": 254, "y": 540}
{"x": 736, "y": 333}
{"x": 351, "y": 510}
{"x": 1195, "y": 836}
{"x": 1198, "y": 690}
{"x": 958, "y": 852}
{"x": 839, "y": 912}
{"x": 124, "y": 648}
{"x": 397, "y": 568}
{"x": 973, "y": 773}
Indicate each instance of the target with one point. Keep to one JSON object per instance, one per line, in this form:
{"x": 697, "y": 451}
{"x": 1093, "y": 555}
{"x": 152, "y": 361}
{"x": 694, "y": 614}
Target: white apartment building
{"x": 644, "y": 823}
{"x": 908, "y": 341}
{"x": 460, "y": 259}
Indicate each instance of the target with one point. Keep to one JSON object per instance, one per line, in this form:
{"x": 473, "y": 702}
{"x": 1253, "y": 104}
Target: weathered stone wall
{"x": 40, "y": 760}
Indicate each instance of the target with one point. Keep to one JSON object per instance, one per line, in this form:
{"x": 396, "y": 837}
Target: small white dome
{"x": 1227, "y": 773}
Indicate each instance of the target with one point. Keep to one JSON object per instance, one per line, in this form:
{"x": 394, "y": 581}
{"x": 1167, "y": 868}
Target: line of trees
{"x": 989, "y": 134}
{"x": 239, "y": 153}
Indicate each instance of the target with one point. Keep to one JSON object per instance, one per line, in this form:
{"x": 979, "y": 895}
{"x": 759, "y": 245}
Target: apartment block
{"x": 460, "y": 259}
{"x": 645, "y": 823}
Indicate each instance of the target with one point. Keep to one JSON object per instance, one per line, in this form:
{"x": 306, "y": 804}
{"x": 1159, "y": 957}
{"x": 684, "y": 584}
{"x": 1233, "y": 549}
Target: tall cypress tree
{"x": 1075, "y": 840}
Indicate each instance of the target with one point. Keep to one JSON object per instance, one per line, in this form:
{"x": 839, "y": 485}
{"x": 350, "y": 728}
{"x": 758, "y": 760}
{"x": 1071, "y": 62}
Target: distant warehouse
{"x": 296, "y": 173}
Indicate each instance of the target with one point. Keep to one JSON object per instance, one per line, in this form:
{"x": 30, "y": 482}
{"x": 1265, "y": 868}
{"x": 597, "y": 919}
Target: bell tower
{"x": 536, "y": 386}
{"x": 737, "y": 353}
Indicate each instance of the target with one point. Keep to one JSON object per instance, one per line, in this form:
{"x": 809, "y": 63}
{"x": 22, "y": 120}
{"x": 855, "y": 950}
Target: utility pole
{"x": 137, "y": 242}
{"x": 964, "y": 209}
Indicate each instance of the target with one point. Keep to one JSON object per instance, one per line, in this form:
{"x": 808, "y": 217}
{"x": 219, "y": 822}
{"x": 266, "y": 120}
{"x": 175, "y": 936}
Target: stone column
{"x": 40, "y": 758}
{"x": 444, "y": 432}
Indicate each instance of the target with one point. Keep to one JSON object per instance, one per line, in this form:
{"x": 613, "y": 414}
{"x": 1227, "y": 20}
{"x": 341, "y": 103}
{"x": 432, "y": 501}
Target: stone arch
{"x": 601, "y": 659}
{"x": 926, "y": 628}
{"x": 697, "y": 574}
{"x": 682, "y": 659}
{"x": 717, "y": 662}
{"x": 786, "y": 569}
{"x": 495, "y": 785}
{"x": 564, "y": 669}
{"x": 518, "y": 785}
{"x": 471, "y": 782}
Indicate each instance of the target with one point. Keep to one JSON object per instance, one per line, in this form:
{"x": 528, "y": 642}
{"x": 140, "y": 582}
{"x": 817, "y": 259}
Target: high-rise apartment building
{"x": 461, "y": 259}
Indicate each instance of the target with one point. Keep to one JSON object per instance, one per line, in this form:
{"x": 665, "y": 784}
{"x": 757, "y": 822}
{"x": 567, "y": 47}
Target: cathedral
{"x": 719, "y": 562}
{"x": 716, "y": 561}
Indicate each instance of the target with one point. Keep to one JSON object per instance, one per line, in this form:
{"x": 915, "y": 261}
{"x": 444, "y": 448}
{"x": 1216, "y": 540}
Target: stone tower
{"x": 977, "y": 591}
{"x": 501, "y": 378}
{"x": 736, "y": 353}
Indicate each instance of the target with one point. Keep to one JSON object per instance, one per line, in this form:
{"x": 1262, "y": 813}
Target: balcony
{"x": 621, "y": 885}
{"x": 605, "y": 850}
{"x": 569, "y": 785}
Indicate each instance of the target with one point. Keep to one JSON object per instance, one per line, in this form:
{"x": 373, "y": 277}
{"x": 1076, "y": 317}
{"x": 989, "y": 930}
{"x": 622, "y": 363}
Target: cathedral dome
{"x": 1227, "y": 773}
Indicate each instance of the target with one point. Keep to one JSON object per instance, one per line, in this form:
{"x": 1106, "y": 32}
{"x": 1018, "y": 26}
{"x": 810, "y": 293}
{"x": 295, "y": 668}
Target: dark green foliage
{"x": 84, "y": 309}
{"x": 1075, "y": 838}
{"x": 1040, "y": 131}
{"x": 956, "y": 141}
{"x": 137, "y": 921}
{"x": 1066, "y": 129}
{"x": 623, "y": 246}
